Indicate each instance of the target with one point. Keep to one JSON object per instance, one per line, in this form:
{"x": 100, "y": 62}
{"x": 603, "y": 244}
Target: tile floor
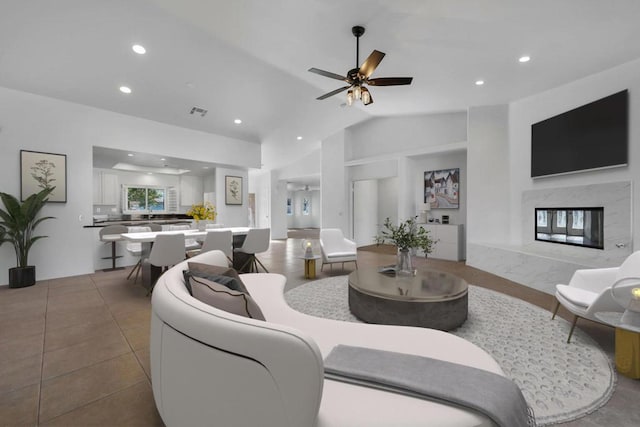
{"x": 75, "y": 351}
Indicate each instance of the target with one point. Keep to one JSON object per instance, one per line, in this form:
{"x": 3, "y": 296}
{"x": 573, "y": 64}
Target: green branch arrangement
{"x": 407, "y": 235}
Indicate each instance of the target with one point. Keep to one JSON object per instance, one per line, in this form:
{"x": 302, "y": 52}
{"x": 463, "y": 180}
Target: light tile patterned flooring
{"x": 75, "y": 351}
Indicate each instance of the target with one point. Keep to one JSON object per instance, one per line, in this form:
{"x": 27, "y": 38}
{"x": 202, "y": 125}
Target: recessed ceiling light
{"x": 479, "y": 82}
{"x": 149, "y": 173}
{"x": 299, "y": 138}
{"x": 130, "y": 155}
{"x": 237, "y": 121}
{"x": 125, "y": 89}
{"x": 524, "y": 59}
{"x": 163, "y": 159}
{"x": 139, "y": 49}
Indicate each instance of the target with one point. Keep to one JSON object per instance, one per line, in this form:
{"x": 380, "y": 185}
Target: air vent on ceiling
{"x": 198, "y": 110}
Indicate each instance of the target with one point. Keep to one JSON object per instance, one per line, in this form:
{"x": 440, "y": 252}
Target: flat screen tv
{"x": 593, "y": 136}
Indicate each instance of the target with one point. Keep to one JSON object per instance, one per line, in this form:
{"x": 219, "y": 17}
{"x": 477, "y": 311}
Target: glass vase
{"x": 404, "y": 265}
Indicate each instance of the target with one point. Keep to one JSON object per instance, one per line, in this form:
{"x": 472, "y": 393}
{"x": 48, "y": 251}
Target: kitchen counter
{"x": 131, "y": 220}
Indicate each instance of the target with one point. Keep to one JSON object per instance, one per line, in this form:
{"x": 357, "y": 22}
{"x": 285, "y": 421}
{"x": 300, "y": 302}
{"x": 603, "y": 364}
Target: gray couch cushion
{"x": 219, "y": 296}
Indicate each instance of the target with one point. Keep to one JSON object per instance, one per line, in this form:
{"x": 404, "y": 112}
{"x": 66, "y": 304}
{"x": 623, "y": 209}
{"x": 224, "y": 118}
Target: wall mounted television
{"x": 593, "y": 136}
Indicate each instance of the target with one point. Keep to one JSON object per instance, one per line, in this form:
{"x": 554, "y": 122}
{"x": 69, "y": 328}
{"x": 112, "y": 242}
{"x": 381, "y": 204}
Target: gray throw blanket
{"x": 493, "y": 395}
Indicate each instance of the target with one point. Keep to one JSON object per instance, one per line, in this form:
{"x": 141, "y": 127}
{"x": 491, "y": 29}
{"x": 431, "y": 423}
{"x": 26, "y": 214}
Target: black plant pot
{"x": 20, "y": 277}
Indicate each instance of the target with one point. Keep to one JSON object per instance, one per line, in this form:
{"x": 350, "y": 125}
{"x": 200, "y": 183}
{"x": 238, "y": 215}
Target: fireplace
{"x": 570, "y": 226}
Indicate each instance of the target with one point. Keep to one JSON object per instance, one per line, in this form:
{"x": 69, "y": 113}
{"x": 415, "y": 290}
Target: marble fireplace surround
{"x": 541, "y": 265}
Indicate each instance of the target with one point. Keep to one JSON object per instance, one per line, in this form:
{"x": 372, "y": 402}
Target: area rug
{"x": 560, "y": 381}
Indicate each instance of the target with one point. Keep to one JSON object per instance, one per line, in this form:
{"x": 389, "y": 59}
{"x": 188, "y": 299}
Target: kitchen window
{"x": 144, "y": 199}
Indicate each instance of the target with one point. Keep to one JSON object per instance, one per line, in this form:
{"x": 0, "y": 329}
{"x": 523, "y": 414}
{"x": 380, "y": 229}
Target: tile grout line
{"x": 121, "y": 330}
{"x": 44, "y": 338}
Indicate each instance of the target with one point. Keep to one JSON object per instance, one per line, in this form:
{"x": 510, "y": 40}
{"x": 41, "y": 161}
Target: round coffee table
{"x": 430, "y": 299}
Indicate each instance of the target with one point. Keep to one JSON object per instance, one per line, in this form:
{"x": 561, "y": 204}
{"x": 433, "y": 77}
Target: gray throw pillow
{"x": 223, "y": 298}
{"x": 213, "y": 272}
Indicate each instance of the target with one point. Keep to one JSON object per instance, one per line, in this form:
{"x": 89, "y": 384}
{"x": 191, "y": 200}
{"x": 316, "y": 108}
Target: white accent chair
{"x": 189, "y": 244}
{"x": 135, "y": 248}
{"x": 257, "y": 241}
{"x": 589, "y": 290}
{"x": 336, "y": 248}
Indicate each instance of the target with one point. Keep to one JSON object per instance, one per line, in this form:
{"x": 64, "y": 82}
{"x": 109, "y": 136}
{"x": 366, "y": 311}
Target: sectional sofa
{"x": 211, "y": 367}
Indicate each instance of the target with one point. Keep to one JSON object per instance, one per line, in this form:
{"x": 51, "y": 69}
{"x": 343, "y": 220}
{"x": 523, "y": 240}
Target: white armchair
{"x": 336, "y": 248}
{"x": 589, "y": 291}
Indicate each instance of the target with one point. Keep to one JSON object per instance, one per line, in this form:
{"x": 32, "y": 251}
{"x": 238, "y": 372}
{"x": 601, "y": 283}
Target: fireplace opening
{"x": 571, "y": 226}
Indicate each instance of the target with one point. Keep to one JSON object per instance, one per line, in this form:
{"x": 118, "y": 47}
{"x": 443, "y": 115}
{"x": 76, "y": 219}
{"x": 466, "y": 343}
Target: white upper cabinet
{"x": 105, "y": 188}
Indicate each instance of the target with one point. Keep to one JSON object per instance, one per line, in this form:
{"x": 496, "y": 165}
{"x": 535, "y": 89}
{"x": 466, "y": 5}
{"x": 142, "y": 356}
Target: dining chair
{"x": 135, "y": 248}
{"x": 167, "y": 251}
{"x": 221, "y": 240}
{"x": 257, "y": 241}
{"x": 111, "y": 234}
{"x": 189, "y": 244}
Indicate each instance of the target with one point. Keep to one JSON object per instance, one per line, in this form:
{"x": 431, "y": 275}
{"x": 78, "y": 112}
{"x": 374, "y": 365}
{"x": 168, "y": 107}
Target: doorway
{"x": 374, "y": 200}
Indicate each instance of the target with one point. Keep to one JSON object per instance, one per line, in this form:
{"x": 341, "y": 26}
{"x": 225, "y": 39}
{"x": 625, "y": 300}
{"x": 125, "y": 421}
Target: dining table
{"x": 150, "y": 273}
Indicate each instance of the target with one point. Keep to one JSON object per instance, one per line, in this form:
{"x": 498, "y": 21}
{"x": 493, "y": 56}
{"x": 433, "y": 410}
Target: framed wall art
{"x": 232, "y": 190}
{"x": 43, "y": 170}
{"x": 442, "y": 188}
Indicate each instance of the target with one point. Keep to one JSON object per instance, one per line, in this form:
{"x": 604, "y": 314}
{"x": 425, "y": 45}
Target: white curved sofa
{"x": 210, "y": 367}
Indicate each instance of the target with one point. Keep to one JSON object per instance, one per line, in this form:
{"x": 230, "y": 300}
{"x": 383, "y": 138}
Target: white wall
{"x": 393, "y": 135}
{"x": 365, "y": 211}
{"x": 72, "y": 129}
{"x": 387, "y": 201}
{"x": 406, "y": 147}
{"x": 334, "y": 187}
{"x": 488, "y": 175}
{"x": 547, "y": 104}
{"x": 503, "y": 250}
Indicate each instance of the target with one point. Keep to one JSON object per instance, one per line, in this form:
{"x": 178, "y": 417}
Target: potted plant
{"x": 406, "y": 236}
{"x": 17, "y": 223}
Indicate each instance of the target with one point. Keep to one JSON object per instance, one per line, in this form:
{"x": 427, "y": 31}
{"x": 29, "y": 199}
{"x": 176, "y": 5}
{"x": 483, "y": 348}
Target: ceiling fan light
{"x": 350, "y": 97}
{"x": 366, "y": 96}
{"x": 357, "y": 92}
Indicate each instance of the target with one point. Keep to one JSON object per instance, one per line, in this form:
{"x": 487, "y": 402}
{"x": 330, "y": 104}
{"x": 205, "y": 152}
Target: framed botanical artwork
{"x": 289, "y": 206}
{"x": 442, "y": 188}
{"x": 43, "y": 170}
{"x": 306, "y": 206}
{"x": 232, "y": 190}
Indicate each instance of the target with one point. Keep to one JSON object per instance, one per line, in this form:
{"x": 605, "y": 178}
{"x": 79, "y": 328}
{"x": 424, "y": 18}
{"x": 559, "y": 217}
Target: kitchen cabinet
{"x": 450, "y": 238}
{"x": 105, "y": 188}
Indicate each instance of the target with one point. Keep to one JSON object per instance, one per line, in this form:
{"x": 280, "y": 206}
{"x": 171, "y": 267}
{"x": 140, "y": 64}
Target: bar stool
{"x": 112, "y": 234}
{"x": 135, "y": 248}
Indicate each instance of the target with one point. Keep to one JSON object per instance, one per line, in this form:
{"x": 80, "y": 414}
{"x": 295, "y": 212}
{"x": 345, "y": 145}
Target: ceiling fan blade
{"x": 328, "y": 74}
{"x": 334, "y": 92}
{"x": 370, "y": 64}
{"x": 390, "y": 81}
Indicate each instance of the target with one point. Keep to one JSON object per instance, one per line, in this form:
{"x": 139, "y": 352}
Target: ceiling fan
{"x": 358, "y": 78}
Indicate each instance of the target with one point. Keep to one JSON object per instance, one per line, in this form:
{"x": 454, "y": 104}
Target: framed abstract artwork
{"x": 43, "y": 170}
{"x": 232, "y": 190}
{"x": 442, "y": 188}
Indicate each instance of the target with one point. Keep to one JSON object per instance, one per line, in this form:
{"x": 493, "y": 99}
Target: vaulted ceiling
{"x": 248, "y": 59}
